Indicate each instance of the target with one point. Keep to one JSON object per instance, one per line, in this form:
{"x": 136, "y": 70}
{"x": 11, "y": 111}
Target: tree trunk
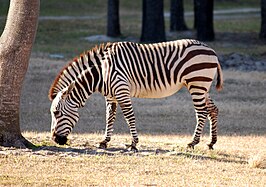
{"x": 263, "y": 20}
{"x": 204, "y": 22}
{"x": 113, "y": 25}
{"x": 177, "y": 20}
{"x": 15, "y": 47}
{"x": 153, "y": 29}
{"x": 196, "y": 12}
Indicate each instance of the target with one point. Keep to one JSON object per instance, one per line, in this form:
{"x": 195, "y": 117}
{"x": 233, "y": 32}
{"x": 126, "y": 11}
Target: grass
{"x": 162, "y": 161}
{"x": 258, "y": 161}
{"x": 71, "y": 39}
{"x": 82, "y": 7}
{"x": 70, "y": 34}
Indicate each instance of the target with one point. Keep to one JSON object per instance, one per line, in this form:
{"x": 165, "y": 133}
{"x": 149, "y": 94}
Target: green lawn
{"x": 67, "y": 36}
{"x": 83, "y": 7}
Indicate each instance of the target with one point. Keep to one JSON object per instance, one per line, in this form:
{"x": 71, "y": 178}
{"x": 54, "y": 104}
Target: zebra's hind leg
{"x": 213, "y": 118}
{"x": 111, "y": 107}
{"x": 199, "y": 101}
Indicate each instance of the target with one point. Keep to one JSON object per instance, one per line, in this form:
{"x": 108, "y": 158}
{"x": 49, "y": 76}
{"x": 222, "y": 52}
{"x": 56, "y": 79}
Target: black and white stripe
{"x": 123, "y": 70}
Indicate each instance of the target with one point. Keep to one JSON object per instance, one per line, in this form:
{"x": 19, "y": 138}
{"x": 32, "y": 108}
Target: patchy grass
{"x": 236, "y": 35}
{"x": 258, "y": 160}
{"x": 161, "y": 161}
{"x": 70, "y": 34}
{"x": 83, "y": 7}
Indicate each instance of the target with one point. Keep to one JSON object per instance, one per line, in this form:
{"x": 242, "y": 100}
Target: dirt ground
{"x": 242, "y": 105}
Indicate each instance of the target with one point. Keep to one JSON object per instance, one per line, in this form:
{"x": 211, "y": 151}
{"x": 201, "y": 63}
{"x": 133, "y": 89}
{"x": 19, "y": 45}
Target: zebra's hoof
{"x": 210, "y": 146}
{"x": 190, "y": 146}
{"x": 134, "y": 149}
{"x": 103, "y": 145}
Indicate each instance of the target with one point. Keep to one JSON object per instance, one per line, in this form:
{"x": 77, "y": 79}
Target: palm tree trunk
{"x": 177, "y": 19}
{"x": 15, "y": 48}
{"x": 263, "y": 20}
{"x": 113, "y": 24}
{"x": 153, "y": 29}
{"x": 204, "y": 19}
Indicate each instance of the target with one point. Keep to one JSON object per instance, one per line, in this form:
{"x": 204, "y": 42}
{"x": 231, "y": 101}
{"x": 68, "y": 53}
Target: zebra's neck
{"x": 85, "y": 72}
{"x": 88, "y": 82}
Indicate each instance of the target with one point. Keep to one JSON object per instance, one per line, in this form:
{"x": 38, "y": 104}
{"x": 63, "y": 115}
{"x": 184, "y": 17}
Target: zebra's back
{"x": 161, "y": 69}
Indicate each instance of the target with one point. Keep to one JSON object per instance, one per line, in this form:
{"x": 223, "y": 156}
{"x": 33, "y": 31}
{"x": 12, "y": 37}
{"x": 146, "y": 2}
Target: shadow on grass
{"x": 219, "y": 157}
{"x": 145, "y": 151}
{"x": 55, "y": 150}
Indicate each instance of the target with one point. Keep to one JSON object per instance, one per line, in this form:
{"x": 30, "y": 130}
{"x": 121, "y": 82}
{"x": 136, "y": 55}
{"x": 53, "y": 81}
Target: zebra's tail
{"x": 219, "y": 84}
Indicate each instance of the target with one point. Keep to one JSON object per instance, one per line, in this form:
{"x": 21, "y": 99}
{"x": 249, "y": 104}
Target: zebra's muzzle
{"x": 61, "y": 140}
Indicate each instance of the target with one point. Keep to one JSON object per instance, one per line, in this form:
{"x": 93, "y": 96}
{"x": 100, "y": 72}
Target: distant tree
{"x": 177, "y": 20}
{"x": 113, "y": 25}
{"x": 263, "y": 20}
{"x": 15, "y": 47}
{"x": 204, "y": 20}
{"x": 153, "y": 29}
{"x": 195, "y": 14}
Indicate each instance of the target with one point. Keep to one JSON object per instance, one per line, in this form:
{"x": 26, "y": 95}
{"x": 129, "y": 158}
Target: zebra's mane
{"x": 57, "y": 85}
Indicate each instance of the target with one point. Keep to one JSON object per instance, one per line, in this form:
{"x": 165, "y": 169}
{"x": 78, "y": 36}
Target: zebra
{"x": 122, "y": 70}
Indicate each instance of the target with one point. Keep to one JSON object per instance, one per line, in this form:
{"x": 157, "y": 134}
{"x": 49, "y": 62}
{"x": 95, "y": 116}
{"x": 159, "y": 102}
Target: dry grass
{"x": 258, "y": 160}
{"x": 162, "y": 161}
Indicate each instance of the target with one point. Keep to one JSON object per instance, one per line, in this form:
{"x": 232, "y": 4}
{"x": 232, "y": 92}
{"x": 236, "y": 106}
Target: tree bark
{"x": 177, "y": 20}
{"x": 113, "y": 25}
{"x": 204, "y": 22}
{"x": 15, "y": 47}
{"x": 196, "y": 12}
{"x": 153, "y": 29}
{"x": 262, "y": 34}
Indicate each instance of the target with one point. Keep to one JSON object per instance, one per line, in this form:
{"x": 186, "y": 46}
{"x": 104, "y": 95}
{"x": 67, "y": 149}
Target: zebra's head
{"x": 64, "y": 116}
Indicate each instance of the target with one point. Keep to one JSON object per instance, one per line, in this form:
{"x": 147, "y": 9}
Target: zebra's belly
{"x": 155, "y": 92}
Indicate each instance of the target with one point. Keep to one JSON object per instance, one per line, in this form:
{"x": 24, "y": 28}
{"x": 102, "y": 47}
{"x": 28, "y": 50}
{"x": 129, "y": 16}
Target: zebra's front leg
{"x": 111, "y": 107}
{"x": 126, "y": 106}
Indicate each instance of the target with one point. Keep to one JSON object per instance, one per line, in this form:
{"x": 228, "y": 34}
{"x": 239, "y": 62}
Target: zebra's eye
{"x": 56, "y": 113}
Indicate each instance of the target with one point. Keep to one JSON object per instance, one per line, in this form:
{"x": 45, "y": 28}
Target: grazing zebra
{"x": 123, "y": 70}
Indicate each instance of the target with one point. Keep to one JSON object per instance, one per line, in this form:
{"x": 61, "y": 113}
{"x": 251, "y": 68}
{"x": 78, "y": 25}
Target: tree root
{"x": 15, "y": 140}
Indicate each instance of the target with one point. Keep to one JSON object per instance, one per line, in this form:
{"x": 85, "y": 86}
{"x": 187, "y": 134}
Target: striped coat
{"x": 123, "y": 70}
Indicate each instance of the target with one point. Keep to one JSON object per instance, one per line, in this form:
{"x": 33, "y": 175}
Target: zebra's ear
{"x": 68, "y": 90}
